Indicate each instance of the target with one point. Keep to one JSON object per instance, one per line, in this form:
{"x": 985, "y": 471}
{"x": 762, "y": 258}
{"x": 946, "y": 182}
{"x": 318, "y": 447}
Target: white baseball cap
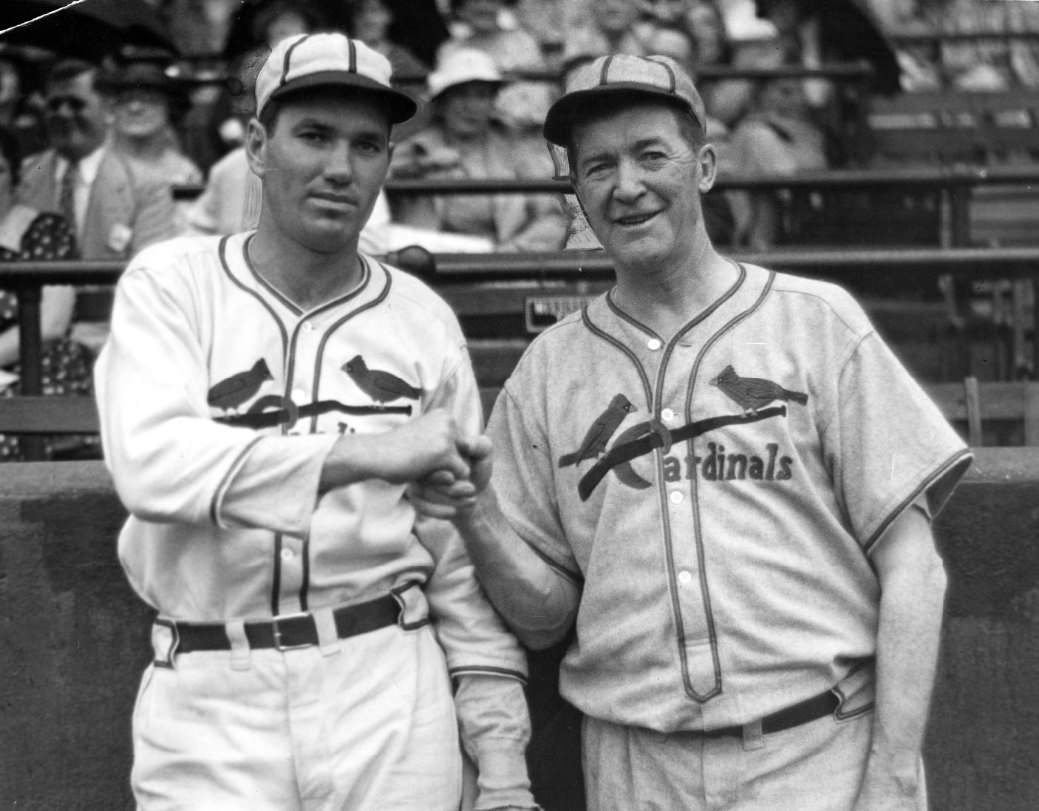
{"x": 329, "y": 59}
{"x": 657, "y": 77}
{"x": 462, "y": 66}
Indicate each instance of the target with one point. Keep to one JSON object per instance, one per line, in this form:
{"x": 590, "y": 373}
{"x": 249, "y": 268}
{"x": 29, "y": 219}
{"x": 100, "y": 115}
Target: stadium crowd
{"x": 98, "y": 142}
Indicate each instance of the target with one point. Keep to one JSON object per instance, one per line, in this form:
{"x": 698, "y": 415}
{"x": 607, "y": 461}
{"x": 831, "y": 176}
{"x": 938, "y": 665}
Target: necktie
{"x": 67, "y": 196}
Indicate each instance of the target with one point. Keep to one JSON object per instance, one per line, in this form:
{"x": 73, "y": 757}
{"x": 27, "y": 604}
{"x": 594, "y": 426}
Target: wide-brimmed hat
{"x": 591, "y": 84}
{"x": 329, "y": 60}
{"x": 463, "y": 66}
{"x": 141, "y": 76}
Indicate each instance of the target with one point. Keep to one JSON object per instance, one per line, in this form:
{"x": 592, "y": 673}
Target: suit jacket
{"x": 124, "y": 213}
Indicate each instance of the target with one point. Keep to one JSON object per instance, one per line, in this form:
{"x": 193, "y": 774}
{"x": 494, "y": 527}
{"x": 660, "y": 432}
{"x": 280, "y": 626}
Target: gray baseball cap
{"x": 658, "y": 77}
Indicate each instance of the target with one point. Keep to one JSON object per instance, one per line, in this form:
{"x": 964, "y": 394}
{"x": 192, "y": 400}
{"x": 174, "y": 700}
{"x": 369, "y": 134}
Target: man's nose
{"x": 629, "y": 180}
{"x": 340, "y": 164}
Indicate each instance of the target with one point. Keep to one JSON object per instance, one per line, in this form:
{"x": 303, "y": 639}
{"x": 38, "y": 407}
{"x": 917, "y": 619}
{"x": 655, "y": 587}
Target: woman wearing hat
{"x": 145, "y": 103}
{"x": 465, "y": 141}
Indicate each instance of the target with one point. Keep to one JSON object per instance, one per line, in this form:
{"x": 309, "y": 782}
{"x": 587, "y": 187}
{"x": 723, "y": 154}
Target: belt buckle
{"x": 276, "y": 630}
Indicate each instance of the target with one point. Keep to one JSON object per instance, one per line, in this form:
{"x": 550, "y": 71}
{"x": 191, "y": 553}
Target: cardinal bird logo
{"x": 601, "y": 431}
{"x": 754, "y": 393}
{"x": 236, "y": 389}
{"x": 380, "y": 386}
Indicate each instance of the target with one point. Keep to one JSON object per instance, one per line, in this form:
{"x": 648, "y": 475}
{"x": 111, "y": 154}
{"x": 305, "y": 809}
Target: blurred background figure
{"x": 112, "y": 212}
{"x": 199, "y": 27}
{"x": 372, "y": 21}
{"x": 777, "y": 137}
{"x": 464, "y": 140}
{"x": 27, "y": 234}
{"x": 147, "y": 104}
{"x": 611, "y": 26}
{"x": 488, "y": 26}
{"x": 21, "y": 106}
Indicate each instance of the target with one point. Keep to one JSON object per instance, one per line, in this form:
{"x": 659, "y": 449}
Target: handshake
{"x": 444, "y": 468}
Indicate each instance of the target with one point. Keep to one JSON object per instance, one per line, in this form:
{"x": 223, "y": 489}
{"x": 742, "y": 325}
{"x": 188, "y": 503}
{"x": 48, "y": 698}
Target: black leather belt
{"x": 808, "y": 710}
{"x": 288, "y": 631}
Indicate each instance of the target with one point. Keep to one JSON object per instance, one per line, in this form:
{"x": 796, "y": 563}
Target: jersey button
{"x": 676, "y": 497}
{"x": 287, "y": 554}
{"x": 654, "y": 344}
{"x": 685, "y": 577}
{"x": 667, "y": 415}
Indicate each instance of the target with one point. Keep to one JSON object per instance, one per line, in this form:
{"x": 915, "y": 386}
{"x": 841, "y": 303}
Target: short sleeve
{"x": 523, "y": 479}
{"x": 888, "y": 443}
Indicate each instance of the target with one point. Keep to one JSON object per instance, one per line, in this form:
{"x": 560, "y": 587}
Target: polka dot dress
{"x": 66, "y": 366}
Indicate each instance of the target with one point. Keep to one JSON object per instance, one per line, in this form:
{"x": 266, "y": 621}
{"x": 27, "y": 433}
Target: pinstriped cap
{"x": 329, "y": 59}
{"x": 618, "y": 75}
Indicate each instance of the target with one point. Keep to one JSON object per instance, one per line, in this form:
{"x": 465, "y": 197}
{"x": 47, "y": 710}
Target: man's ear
{"x": 708, "y": 160}
{"x": 255, "y": 147}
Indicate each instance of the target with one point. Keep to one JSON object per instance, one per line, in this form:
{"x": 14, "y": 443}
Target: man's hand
{"x": 413, "y": 452}
{"x": 444, "y": 495}
{"x": 888, "y": 792}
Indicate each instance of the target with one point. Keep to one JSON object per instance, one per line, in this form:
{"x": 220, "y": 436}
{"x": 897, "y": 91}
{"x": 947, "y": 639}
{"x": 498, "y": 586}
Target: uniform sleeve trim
{"x": 959, "y": 459}
{"x": 487, "y": 670}
{"x": 225, "y": 483}
{"x": 574, "y": 577}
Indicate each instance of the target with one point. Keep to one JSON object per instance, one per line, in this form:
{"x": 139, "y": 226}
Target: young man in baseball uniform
{"x": 724, "y": 477}
{"x": 265, "y": 399}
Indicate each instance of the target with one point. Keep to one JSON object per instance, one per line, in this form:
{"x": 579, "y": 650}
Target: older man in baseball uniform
{"x": 265, "y": 398}
{"x": 724, "y": 477}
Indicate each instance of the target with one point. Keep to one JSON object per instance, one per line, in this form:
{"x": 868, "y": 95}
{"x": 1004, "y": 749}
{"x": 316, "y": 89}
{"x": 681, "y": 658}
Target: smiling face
{"x": 322, "y": 160}
{"x": 639, "y": 173}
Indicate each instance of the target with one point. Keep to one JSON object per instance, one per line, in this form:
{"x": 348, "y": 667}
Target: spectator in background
{"x": 21, "y": 109}
{"x": 778, "y": 137}
{"x": 612, "y": 27}
{"x": 480, "y": 26}
{"x": 465, "y": 141}
{"x": 145, "y": 104}
{"x": 112, "y": 211}
{"x": 26, "y": 234}
{"x": 370, "y": 22}
{"x": 199, "y": 27}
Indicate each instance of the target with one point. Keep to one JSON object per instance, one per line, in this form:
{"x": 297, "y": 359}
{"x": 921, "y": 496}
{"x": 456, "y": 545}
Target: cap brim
{"x": 498, "y": 83}
{"x": 561, "y": 115}
{"x": 401, "y": 105}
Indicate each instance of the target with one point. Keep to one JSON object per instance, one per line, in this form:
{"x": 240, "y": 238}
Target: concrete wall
{"x": 73, "y": 640}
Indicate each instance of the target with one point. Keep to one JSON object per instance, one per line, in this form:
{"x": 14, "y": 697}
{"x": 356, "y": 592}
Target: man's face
{"x": 75, "y": 116}
{"x": 639, "y": 180}
{"x": 322, "y": 164}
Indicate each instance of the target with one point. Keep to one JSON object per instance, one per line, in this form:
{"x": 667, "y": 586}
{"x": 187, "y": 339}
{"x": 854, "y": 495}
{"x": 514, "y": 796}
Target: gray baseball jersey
{"x": 718, "y": 496}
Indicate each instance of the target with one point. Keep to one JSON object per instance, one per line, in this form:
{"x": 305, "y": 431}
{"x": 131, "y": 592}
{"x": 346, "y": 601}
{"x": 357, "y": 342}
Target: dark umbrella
{"x": 90, "y": 29}
{"x": 849, "y": 32}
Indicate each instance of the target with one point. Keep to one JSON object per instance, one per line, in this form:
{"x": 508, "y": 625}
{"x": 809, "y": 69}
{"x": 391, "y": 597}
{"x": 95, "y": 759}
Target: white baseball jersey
{"x": 219, "y": 400}
{"x": 718, "y": 496}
